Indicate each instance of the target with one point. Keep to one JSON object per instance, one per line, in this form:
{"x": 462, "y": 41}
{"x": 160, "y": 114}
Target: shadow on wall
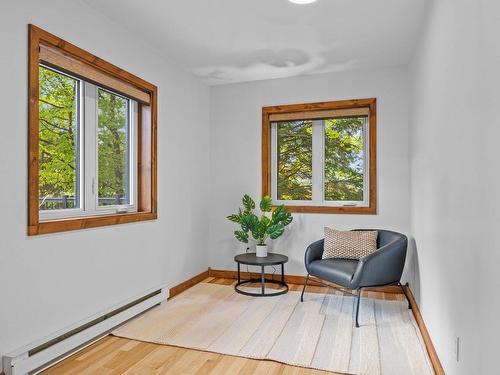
{"x": 412, "y": 269}
{"x": 292, "y": 236}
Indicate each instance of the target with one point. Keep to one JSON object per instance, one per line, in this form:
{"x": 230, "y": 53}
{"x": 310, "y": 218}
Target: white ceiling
{"x": 225, "y": 41}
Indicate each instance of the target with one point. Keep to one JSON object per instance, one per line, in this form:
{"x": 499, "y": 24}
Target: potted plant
{"x": 271, "y": 224}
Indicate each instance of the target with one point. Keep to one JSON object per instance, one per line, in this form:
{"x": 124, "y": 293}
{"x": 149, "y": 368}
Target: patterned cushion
{"x": 349, "y": 244}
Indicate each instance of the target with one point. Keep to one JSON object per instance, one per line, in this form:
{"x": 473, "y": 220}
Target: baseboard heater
{"x": 32, "y": 358}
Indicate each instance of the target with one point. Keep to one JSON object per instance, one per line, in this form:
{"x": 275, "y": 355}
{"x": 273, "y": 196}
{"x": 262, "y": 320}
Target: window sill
{"x": 64, "y": 225}
{"x": 332, "y": 210}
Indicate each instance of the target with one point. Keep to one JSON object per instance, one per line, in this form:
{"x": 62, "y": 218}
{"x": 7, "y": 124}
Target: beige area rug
{"x": 318, "y": 333}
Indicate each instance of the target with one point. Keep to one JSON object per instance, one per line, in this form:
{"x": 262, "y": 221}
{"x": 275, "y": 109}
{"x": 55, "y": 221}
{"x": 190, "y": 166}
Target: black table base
{"x": 274, "y": 259}
{"x": 263, "y": 292}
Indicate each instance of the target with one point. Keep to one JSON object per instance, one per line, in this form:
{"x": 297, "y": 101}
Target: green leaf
{"x": 241, "y": 236}
{"x": 234, "y": 218}
{"x": 265, "y": 221}
{"x": 266, "y": 204}
{"x": 259, "y": 233}
{"x": 275, "y": 231}
{"x": 287, "y": 220}
{"x": 244, "y": 222}
{"x": 278, "y": 213}
{"x": 249, "y": 222}
{"x": 264, "y": 224}
{"x": 248, "y": 203}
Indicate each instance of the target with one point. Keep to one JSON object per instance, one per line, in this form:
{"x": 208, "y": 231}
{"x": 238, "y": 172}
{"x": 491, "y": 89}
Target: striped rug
{"x": 318, "y": 333}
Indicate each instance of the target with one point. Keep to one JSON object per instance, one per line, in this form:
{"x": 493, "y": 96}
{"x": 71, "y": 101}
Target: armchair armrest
{"x": 382, "y": 267}
{"x": 314, "y": 252}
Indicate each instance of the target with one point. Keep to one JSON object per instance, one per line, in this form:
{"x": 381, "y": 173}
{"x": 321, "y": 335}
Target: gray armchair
{"x": 383, "y": 267}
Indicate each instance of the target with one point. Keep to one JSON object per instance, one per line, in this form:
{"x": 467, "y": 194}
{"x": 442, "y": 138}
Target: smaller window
{"x": 293, "y": 149}
{"x": 59, "y": 142}
{"x": 321, "y": 157}
{"x": 116, "y": 149}
{"x": 344, "y": 160}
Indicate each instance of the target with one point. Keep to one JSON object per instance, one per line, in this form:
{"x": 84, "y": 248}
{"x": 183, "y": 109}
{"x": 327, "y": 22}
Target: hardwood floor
{"x": 114, "y": 355}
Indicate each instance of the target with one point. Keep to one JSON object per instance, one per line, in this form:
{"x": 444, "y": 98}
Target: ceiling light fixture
{"x": 302, "y": 1}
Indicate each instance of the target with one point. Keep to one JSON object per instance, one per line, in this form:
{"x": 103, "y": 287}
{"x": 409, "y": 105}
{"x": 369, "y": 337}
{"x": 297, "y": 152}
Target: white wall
{"x": 489, "y": 257}
{"x": 235, "y": 160}
{"x": 454, "y": 163}
{"x": 49, "y": 282}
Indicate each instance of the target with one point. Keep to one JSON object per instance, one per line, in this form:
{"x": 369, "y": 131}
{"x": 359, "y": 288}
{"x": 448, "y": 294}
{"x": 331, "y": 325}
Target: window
{"x": 321, "y": 157}
{"x": 92, "y": 140}
{"x": 115, "y": 149}
{"x": 59, "y": 141}
{"x": 87, "y": 145}
{"x": 294, "y": 160}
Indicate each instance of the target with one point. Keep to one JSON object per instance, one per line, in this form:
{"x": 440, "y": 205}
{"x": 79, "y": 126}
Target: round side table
{"x": 251, "y": 259}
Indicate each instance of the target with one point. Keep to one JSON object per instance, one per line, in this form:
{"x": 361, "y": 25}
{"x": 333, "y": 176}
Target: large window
{"x": 321, "y": 157}
{"x": 92, "y": 140}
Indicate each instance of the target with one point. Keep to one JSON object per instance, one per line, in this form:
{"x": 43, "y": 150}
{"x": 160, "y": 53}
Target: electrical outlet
{"x": 456, "y": 350}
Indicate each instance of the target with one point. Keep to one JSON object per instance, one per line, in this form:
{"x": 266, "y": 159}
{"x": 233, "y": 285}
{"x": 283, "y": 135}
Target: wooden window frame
{"x": 292, "y": 110}
{"x": 146, "y": 134}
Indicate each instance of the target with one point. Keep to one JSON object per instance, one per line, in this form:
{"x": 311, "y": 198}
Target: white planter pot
{"x": 261, "y": 251}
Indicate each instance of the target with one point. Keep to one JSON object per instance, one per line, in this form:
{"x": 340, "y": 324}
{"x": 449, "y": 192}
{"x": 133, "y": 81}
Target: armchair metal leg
{"x": 357, "y": 306}
{"x": 406, "y": 295}
{"x": 304, "y": 288}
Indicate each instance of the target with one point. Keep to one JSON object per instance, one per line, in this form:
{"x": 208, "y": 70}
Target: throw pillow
{"x": 349, "y": 244}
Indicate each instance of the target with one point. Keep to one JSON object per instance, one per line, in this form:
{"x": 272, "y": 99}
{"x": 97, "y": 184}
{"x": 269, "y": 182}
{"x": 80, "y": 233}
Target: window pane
{"x": 294, "y": 160}
{"x": 113, "y": 149}
{"x": 58, "y": 140}
{"x": 344, "y": 159}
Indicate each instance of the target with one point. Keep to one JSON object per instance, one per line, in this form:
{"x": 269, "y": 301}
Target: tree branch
{"x": 54, "y": 125}
{"x": 52, "y": 104}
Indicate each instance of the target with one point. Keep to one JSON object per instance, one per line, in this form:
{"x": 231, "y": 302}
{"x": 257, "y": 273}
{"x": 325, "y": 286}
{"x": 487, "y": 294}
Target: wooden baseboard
{"x": 436, "y": 364}
{"x": 293, "y": 279}
{"x": 188, "y": 284}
